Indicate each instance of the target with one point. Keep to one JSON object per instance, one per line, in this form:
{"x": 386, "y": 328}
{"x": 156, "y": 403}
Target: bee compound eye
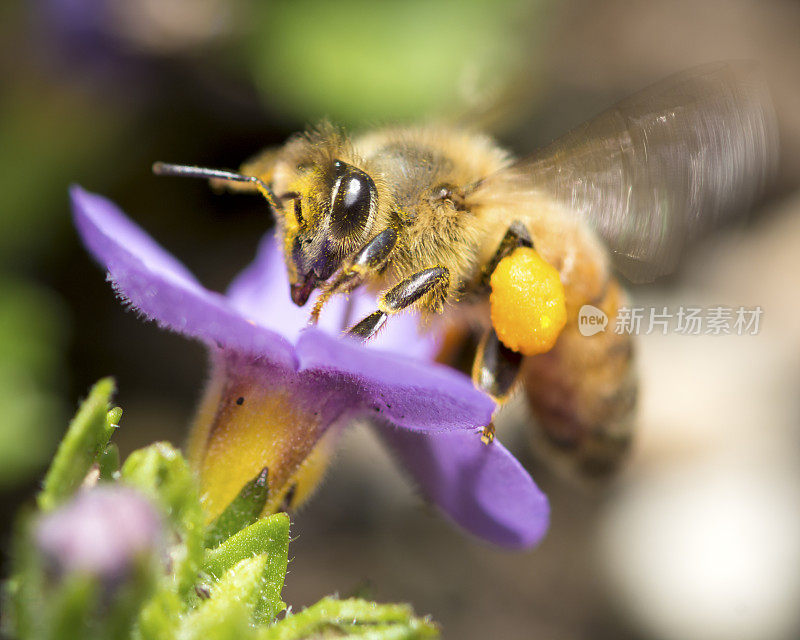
{"x": 353, "y": 191}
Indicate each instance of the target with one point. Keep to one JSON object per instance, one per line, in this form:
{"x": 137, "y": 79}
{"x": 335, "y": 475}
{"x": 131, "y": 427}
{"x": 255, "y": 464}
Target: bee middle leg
{"x": 371, "y": 257}
{"x": 401, "y": 296}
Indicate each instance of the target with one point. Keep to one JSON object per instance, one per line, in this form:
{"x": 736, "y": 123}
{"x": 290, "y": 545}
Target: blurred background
{"x": 698, "y": 538}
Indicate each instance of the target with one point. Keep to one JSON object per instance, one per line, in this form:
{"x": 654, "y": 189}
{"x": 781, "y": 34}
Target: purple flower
{"x": 102, "y": 532}
{"x": 279, "y": 393}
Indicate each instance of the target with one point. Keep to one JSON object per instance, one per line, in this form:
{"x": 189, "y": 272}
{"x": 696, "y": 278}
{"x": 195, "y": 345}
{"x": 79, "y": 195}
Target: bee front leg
{"x": 370, "y": 257}
{"x": 402, "y": 296}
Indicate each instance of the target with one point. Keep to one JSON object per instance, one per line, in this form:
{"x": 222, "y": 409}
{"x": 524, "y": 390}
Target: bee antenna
{"x": 186, "y": 171}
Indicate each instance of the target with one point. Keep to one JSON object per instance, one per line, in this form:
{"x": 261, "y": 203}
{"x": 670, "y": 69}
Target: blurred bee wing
{"x": 660, "y": 167}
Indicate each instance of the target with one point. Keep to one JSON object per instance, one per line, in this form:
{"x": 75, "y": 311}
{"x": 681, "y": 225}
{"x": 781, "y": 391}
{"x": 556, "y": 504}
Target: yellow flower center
{"x": 245, "y": 424}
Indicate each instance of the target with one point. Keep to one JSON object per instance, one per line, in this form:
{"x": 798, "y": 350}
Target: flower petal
{"x": 401, "y": 333}
{"x": 409, "y": 392}
{"x": 261, "y": 292}
{"x": 108, "y": 232}
{"x": 255, "y": 415}
{"x": 159, "y": 286}
{"x": 481, "y": 487}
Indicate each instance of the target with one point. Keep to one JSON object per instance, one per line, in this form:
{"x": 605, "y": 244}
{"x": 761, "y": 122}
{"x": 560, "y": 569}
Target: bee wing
{"x": 660, "y": 167}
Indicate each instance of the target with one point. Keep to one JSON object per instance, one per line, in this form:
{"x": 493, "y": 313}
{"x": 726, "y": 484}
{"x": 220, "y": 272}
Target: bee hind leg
{"x": 496, "y": 368}
{"x": 402, "y": 296}
{"x": 516, "y": 236}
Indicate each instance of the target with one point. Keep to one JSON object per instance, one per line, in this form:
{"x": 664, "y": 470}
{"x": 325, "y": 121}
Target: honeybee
{"x": 429, "y": 216}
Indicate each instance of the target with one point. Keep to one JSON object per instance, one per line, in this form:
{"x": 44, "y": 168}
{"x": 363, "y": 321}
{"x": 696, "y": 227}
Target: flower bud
{"x": 103, "y": 532}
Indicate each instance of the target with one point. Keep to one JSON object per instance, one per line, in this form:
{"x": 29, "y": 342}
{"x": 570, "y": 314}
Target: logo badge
{"x": 591, "y": 320}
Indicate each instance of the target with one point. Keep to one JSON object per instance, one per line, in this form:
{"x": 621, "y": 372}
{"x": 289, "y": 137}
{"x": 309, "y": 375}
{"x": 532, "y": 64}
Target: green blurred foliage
{"x": 32, "y": 337}
{"x": 82, "y": 446}
{"x": 231, "y": 590}
{"x": 362, "y": 61}
{"x": 161, "y": 472}
{"x": 47, "y": 130}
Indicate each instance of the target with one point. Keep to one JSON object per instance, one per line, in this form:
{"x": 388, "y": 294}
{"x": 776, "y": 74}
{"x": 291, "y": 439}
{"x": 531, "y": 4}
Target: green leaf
{"x": 69, "y": 610}
{"x": 352, "y": 618}
{"x": 160, "y": 616}
{"x": 113, "y": 417}
{"x": 109, "y": 462}
{"x": 235, "y": 601}
{"x": 116, "y": 619}
{"x": 23, "y": 593}
{"x": 242, "y": 511}
{"x": 390, "y": 631}
{"x": 230, "y": 621}
{"x": 87, "y": 436}
{"x": 267, "y": 538}
{"x": 161, "y": 472}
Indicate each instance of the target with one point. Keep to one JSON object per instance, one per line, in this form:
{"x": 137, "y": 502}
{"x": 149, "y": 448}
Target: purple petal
{"x": 159, "y": 286}
{"x": 261, "y": 291}
{"x": 113, "y": 232}
{"x": 401, "y": 333}
{"x": 481, "y": 487}
{"x": 409, "y": 392}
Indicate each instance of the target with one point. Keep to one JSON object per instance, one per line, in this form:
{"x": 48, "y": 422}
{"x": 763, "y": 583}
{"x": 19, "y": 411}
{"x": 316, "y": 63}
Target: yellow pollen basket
{"x": 528, "y": 306}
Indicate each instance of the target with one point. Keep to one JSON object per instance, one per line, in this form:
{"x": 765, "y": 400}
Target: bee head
{"x": 326, "y": 207}
{"x": 333, "y": 213}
